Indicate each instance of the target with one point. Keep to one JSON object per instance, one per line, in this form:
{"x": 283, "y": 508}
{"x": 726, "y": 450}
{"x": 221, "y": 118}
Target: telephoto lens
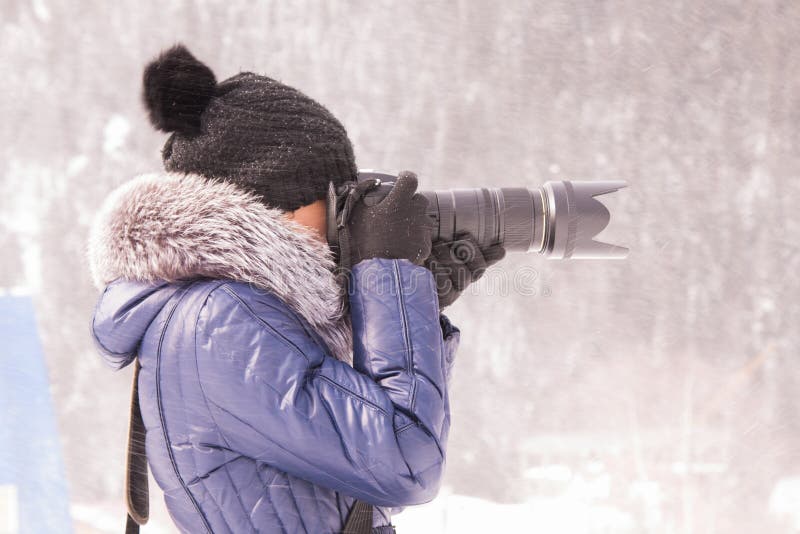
{"x": 558, "y": 220}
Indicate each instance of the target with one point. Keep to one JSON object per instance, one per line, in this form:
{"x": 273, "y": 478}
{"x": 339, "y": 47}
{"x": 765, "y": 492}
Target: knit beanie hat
{"x": 256, "y": 132}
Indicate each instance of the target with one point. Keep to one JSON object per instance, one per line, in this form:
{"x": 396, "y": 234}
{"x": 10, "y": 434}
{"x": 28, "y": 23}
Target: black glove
{"x": 456, "y": 264}
{"x": 397, "y": 227}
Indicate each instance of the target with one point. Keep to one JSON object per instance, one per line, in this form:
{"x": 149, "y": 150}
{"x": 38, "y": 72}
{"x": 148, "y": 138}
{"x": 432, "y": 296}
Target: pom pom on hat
{"x": 177, "y": 89}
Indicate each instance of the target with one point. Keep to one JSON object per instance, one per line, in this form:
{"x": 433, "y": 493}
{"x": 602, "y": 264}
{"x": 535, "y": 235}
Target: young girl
{"x": 271, "y": 404}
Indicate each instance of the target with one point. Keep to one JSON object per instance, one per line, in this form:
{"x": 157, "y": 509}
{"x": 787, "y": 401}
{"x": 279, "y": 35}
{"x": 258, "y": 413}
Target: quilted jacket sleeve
{"x": 376, "y": 431}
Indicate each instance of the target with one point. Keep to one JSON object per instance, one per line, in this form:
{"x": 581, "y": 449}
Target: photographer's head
{"x": 256, "y": 132}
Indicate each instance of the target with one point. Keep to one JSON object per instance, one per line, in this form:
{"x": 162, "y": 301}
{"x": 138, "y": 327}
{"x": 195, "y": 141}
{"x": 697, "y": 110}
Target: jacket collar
{"x": 170, "y": 227}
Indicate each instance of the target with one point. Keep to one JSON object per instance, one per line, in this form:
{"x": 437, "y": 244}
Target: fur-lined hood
{"x": 170, "y": 227}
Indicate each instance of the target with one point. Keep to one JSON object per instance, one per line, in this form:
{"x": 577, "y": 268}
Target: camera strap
{"x": 136, "y": 486}
{"x": 359, "y": 521}
{"x": 340, "y": 204}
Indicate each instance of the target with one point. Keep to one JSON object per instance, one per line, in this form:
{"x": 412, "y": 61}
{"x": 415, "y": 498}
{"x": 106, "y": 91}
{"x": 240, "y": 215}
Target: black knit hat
{"x": 265, "y": 136}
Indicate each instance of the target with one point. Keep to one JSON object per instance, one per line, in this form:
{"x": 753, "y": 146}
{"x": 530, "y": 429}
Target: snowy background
{"x": 656, "y": 394}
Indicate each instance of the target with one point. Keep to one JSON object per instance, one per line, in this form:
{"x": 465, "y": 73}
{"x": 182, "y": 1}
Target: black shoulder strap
{"x": 136, "y": 489}
{"x": 359, "y": 520}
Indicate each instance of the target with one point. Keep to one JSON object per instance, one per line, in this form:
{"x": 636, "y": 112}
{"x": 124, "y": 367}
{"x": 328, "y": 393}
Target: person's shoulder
{"x": 229, "y": 296}
{"x": 243, "y": 309}
{"x": 249, "y": 293}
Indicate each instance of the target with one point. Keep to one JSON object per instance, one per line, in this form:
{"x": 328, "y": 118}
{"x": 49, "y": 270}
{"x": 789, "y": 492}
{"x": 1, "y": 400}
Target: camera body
{"x": 558, "y": 220}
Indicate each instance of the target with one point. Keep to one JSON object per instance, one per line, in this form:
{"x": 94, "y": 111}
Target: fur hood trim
{"x": 169, "y": 226}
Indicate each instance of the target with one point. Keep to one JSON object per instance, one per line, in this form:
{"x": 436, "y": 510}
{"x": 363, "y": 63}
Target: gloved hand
{"x": 397, "y": 227}
{"x": 456, "y": 264}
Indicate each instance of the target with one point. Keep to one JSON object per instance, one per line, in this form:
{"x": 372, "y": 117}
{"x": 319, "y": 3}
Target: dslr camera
{"x": 558, "y": 220}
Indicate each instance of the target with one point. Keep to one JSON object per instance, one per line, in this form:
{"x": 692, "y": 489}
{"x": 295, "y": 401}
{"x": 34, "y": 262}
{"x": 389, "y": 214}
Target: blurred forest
{"x": 662, "y": 387}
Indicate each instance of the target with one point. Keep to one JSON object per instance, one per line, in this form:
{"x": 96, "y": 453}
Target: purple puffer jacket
{"x": 256, "y": 421}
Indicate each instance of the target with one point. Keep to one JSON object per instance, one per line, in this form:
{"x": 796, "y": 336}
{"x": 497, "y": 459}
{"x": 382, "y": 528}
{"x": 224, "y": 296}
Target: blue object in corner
{"x": 33, "y": 488}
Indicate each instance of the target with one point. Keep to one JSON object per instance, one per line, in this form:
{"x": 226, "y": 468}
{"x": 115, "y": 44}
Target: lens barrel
{"x": 559, "y": 220}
